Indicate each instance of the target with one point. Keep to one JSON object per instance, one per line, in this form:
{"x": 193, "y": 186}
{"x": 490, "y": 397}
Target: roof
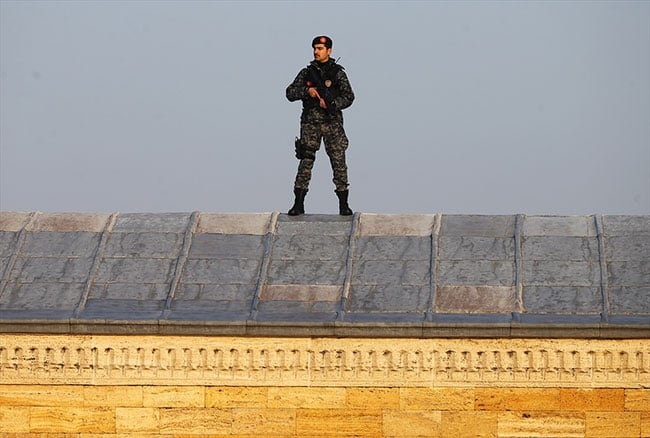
{"x": 424, "y": 275}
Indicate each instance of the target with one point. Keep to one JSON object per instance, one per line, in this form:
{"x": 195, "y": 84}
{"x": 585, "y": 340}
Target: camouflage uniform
{"x": 317, "y": 123}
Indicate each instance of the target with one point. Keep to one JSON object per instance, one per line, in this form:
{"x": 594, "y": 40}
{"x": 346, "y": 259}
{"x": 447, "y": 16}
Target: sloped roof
{"x": 323, "y": 275}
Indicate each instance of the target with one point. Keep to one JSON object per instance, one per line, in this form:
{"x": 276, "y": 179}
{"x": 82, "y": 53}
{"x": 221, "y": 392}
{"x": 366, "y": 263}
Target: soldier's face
{"x": 321, "y": 53}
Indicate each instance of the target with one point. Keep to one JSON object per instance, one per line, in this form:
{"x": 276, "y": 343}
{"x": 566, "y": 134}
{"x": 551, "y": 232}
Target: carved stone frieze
{"x": 234, "y": 361}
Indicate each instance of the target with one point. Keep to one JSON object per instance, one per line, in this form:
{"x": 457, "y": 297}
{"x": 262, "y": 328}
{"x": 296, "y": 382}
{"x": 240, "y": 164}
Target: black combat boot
{"x": 344, "y": 208}
{"x": 299, "y": 204}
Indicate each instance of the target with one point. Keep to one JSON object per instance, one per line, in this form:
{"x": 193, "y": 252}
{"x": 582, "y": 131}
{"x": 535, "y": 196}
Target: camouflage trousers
{"x": 336, "y": 143}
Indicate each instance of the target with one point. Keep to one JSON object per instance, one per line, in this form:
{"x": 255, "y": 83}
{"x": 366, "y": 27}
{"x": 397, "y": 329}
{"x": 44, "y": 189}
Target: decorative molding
{"x": 238, "y": 361}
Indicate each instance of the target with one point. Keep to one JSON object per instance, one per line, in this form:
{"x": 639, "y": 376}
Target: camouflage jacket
{"x": 330, "y": 73}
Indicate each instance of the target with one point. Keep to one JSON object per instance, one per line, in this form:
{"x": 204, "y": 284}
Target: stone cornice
{"x": 197, "y": 360}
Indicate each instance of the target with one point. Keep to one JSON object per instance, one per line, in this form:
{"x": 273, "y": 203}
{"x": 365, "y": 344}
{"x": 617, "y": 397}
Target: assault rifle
{"x": 323, "y": 91}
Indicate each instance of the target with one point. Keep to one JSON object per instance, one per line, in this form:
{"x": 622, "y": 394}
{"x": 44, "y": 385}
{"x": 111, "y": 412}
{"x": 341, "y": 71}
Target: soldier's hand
{"x": 313, "y": 93}
{"x": 323, "y": 104}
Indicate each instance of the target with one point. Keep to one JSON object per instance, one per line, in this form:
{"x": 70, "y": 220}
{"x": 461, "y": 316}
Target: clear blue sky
{"x": 479, "y": 107}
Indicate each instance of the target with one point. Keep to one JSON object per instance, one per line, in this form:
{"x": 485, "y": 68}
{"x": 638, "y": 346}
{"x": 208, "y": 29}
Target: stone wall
{"x": 288, "y": 387}
{"x": 205, "y": 324}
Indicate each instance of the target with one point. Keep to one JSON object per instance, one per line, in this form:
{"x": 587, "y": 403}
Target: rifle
{"x": 322, "y": 90}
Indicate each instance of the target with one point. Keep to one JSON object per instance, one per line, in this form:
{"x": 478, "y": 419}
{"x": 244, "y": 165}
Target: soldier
{"x": 324, "y": 90}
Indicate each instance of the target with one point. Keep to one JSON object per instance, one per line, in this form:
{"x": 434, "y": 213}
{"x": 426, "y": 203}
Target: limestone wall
{"x": 314, "y": 387}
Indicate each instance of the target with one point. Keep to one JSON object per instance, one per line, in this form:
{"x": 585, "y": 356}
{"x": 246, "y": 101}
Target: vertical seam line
{"x": 433, "y": 267}
{"x": 604, "y": 287}
{"x": 519, "y": 270}
{"x": 269, "y": 241}
{"x": 94, "y": 268}
{"x": 20, "y": 243}
{"x": 347, "y": 282}
{"x": 181, "y": 261}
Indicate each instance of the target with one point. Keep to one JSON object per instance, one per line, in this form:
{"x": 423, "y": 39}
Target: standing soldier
{"x": 324, "y": 90}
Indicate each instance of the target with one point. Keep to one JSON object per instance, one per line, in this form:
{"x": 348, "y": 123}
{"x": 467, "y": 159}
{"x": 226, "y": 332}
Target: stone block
{"x": 4, "y": 266}
{"x": 637, "y": 400}
{"x": 109, "y": 396}
{"x": 226, "y": 246}
{"x": 13, "y": 221}
{"x": 123, "y": 309}
{"x": 52, "y": 269}
{"x": 563, "y": 299}
{"x": 476, "y": 248}
{"x": 319, "y": 225}
{"x": 560, "y": 248}
{"x": 517, "y": 399}
{"x": 222, "y": 271}
{"x": 306, "y": 397}
{"x": 137, "y": 420}
{"x": 144, "y": 245}
{"x": 310, "y": 247}
{"x": 437, "y": 399}
{"x": 173, "y": 396}
{"x": 234, "y": 223}
{"x": 627, "y": 248}
{"x": 468, "y": 424}
{"x": 628, "y": 273}
{"x": 612, "y": 424}
{"x": 339, "y": 422}
{"x": 559, "y": 226}
{"x": 14, "y": 419}
{"x": 629, "y": 300}
{"x": 236, "y": 397}
{"x": 476, "y": 272}
{"x": 399, "y": 298}
{"x": 8, "y": 242}
{"x": 475, "y": 299}
{"x": 541, "y": 424}
{"x": 69, "y": 222}
{"x": 391, "y": 272}
{"x": 626, "y": 225}
{"x": 393, "y": 248}
{"x": 152, "y": 223}
{"x": 54, "y": 244}
{"x": 41, "y": 395}
{"x": 561, "y": 273}
{"x": 72, "y": 420}
{"x": 294, "y": 292}
{"x": 129, "y": 291}
{"x": 264, "y": 422}
{"x": 215, "y": 292}
{"x": 37, "y": 296}
{"x": 396, "y": 224}
{"x": 579, "y": 399}
{"x": 209, "y": 309}
{"x": 384, "y": 398}
{"x": 645, "y": 424}
{"x": 425, "y": 423}
{"x": 298, "y": 311}
{"x": 306, "y": 272}
{"x": 477, "y": 225}
{"x": 136, "y": 270}
{"x": 193, "y": 421}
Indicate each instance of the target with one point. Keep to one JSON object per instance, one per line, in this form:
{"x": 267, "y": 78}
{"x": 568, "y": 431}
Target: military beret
{"x": 322, "y": 40}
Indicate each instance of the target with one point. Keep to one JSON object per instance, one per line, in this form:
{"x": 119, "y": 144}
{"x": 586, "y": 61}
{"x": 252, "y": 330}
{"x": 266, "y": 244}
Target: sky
{"x": 462, "y": 107}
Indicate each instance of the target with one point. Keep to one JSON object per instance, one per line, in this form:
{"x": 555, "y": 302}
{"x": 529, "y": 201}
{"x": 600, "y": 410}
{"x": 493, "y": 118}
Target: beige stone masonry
{"x": 396, "y": 224}
{"x": 325, "y": 411}
{"x": 61, "y": 222}
{"x": 349, "y": 362}
{"x": 234, "y": 223}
